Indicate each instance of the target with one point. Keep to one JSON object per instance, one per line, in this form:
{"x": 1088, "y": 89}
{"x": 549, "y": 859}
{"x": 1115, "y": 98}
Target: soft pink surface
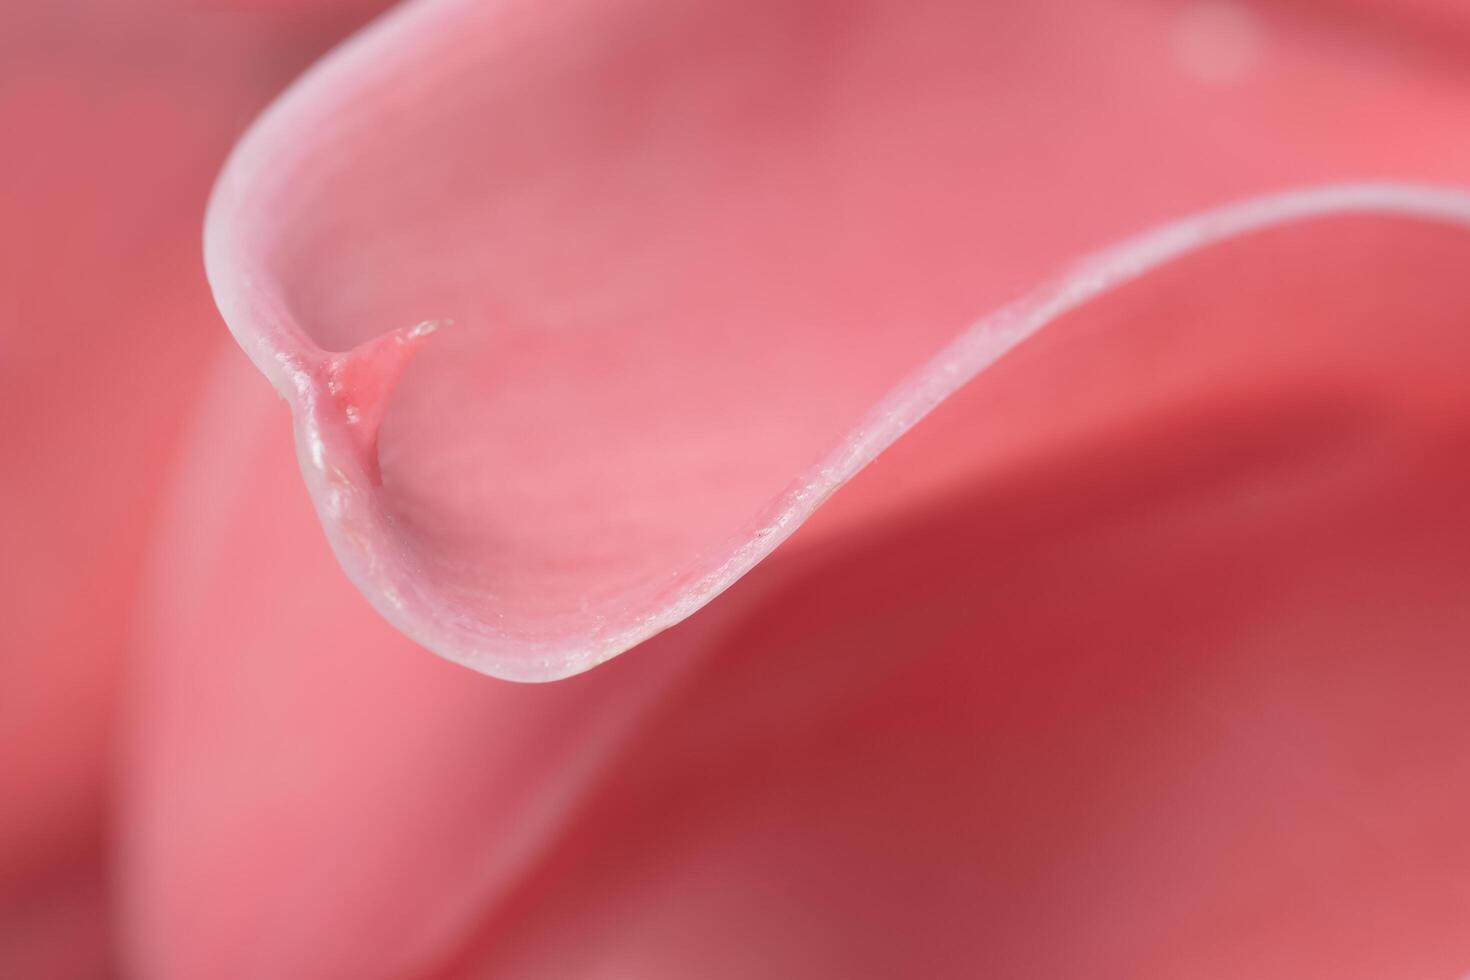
{"x": 686, "y": 247}
{"x": 1164, "y": 678}
{"x": 1142, "y": 657}
{"x": 113, "y": 123}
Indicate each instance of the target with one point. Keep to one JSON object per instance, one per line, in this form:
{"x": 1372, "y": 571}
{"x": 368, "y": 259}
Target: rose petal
{"x": 1142, "y": 656}
{"x": 704, "y": 260}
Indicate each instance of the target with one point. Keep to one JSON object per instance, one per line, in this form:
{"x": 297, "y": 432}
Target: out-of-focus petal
{"x": 296, "y": 772}
{"x": 1153, "y": 668}
{"x": 114, "y": 123}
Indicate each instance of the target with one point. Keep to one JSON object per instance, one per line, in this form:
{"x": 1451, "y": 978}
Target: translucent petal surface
{"x": 704, "y": 260}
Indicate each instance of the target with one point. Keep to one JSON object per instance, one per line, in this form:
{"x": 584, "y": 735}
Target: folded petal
{"x": 670, "y": 272}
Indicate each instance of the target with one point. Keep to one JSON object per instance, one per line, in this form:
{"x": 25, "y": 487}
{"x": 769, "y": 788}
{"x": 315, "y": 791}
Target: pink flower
{"x": 1141, "y": 655}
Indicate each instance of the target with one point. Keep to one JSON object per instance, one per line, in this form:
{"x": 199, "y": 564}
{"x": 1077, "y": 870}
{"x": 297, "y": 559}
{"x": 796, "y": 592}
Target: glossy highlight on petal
{"x": 360, "y": 381}
{"x": 706, "y": 261}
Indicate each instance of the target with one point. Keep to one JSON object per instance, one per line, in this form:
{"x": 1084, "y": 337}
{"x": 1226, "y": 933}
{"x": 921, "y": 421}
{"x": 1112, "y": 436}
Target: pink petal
{"x": 705, "y": 260}
{"x": 1140, "y": 657}
{"x": 1153, "y": 668}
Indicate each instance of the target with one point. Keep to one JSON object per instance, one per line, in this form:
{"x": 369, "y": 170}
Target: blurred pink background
{"x": 116, "y": 118}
